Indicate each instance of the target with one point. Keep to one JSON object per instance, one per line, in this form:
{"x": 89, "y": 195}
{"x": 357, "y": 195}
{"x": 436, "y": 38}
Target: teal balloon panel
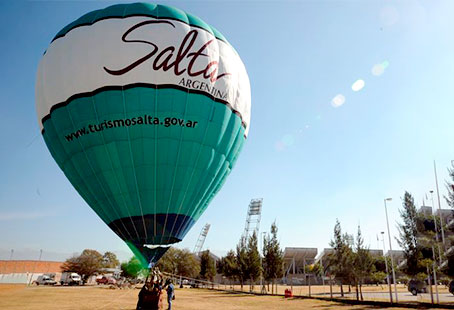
{"x": 150, "y": 167}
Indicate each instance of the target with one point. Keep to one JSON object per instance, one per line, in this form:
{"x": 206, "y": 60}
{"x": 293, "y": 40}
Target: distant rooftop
{"x": 300, "y": 253}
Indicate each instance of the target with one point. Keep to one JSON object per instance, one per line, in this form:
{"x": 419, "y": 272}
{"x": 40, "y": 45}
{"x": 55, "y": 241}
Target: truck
{"x": 106, "y": 280}
{"x": 70, "y": 278}
{"x": 45, "y": 279}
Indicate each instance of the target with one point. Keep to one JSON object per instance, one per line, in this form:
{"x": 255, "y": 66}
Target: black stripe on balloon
{"x": 123, "y": 226}
{"x": 136, "y": 15}
{"x": 134, "y": 85}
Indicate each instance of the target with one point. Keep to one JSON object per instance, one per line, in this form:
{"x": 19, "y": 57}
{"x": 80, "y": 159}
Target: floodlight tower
{"x": 254, "y": 214}
{"x": 201, "y": 239}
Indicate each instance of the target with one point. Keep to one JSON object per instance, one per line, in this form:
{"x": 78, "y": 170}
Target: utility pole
{"x": 262, "y": 283}
{"x": 386, "y": 265}
{"x": 436, "y": 229}
{"x": 391, "y": 250}
{"x": 435, "y": 275}
{"x": 439, "y": 208}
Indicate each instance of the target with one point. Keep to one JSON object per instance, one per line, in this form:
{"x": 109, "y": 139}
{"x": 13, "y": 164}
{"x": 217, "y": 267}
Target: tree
{"x": 341, "y": 260}
{"x": 187, "y": 264}
{"x": 179, "y": 262}
{"x": 272, "y": 257}
{"x": 110, "y": 260}
{"x": 449, "y": 268}
{"x": 378, "y": 276}
{"x": 380, "y": 264}
{"x": 207, "y": 266}
{"x": 450, "y": 188}
{"x": 363, "y": 263}
{"x": 241, "y": 271}
{"x": 169, "y": 261}
{"x": 132, "y": 268}
{"x": 408, "y": 240}
{"x": 317, "y": 270}
{"x": 253, "y": 260}
{"x": 228, "y": 265}
{"x": 88, "y": 263}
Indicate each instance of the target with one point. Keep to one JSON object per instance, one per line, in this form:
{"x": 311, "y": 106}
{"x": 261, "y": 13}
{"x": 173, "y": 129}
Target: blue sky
{"x": 310, "y": 161}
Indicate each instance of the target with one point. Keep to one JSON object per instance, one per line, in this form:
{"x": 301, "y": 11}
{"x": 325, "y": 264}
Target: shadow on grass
{"x": 340, "y": 305}
{"x": 229, "y": 294}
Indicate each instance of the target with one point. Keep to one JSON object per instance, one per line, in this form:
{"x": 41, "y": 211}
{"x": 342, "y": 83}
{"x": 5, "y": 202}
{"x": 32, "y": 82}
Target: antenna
{"x": 201, "y": 239}
{"x": 253, "y": 217}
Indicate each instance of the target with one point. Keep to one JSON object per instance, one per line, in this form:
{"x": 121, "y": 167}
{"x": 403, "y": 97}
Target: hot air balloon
{"x": 145, "y": 109}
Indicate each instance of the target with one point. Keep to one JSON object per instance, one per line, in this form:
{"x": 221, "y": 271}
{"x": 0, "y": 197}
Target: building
{"x": 322, "y": 258}
{"x": 295, "y": 262}
{"x": 26, "y": 271}
{"x": 447, "y": 215}
{"x": 398, "y": 256}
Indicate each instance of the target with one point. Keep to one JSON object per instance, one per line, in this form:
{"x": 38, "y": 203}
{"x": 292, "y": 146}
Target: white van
{"x": 70, "y": 278}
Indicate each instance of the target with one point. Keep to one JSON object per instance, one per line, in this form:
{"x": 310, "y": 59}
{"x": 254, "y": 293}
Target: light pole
{"x": 435, "y": 275}
{"x": 391, "y": 249}
{"x": 439, "y": 208}
{"x": 436, "y": 229}
{"x": 262, "y": 285}
{"x": 386, "y": 265}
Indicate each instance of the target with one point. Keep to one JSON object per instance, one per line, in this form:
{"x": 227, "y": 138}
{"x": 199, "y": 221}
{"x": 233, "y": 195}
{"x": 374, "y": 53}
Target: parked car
{"x": 106, "y": 280}
{"x": 70, "y": 278}
{"x": 417, "y": 286}
{"x": 45, "y": 280}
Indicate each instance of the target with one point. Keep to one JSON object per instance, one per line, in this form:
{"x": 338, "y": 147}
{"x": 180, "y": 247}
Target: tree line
{"x": 89, "y": 263}
{"x": 425, "y": 255}
{"x": 351, "y": 262}
{"x": 246, "y": 264}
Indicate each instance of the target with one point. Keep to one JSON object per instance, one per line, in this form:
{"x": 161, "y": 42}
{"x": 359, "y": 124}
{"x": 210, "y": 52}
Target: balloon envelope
{"x": 145, "y": 108}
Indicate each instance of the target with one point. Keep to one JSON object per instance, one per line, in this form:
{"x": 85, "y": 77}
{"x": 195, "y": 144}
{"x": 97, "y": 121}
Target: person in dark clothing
{"x": 170, "y": 293}
{"x": 150, "y": 296}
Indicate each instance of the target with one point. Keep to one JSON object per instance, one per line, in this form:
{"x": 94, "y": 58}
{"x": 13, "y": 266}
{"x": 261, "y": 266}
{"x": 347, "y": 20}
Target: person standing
{"x": 170, "y": 293}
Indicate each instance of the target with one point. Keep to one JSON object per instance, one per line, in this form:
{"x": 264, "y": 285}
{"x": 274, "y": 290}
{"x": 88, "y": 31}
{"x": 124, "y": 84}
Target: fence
{"x": 18, "y": 278}
{"x": 372, "y": 293}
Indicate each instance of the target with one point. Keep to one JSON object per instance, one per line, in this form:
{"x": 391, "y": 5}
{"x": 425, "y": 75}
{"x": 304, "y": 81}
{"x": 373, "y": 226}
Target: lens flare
{"x": 338, "y": 100}
{"x": 379, "y": 69}
{"x": 358, "y": 85}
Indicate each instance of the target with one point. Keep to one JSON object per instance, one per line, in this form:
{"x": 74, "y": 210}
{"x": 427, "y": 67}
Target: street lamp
{"x": 386, "y": 265}
{"x": 391, "y": 249}
{"x": 439, "y": 208}
{"x": 435, "y": 221}
{"x": 262, "y": 284}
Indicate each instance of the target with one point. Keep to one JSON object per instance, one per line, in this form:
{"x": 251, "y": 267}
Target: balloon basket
{"x": 150, "y": 296}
